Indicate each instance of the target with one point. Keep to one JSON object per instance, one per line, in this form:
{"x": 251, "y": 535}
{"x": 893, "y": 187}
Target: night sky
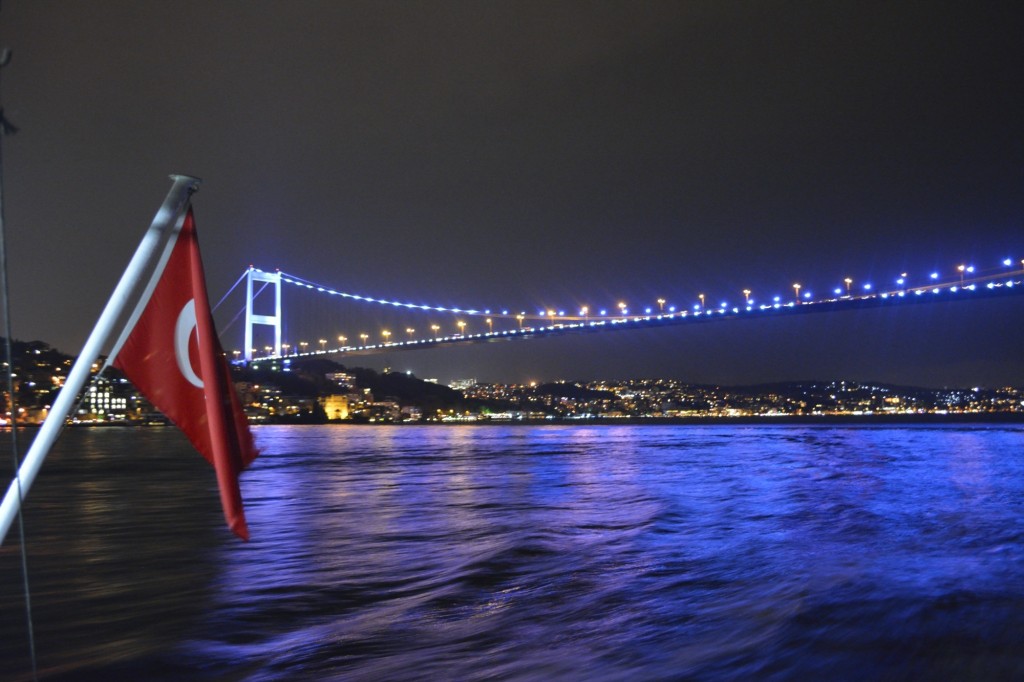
{"x": 537, "y": 154}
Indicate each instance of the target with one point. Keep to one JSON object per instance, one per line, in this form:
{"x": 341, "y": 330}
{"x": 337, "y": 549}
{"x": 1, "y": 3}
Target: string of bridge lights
{"x": 965, "y": 272}
{"x": 968, "y": 277}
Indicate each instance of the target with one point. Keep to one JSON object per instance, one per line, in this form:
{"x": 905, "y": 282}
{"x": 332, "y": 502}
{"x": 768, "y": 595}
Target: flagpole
{"x": 106, "y": 327}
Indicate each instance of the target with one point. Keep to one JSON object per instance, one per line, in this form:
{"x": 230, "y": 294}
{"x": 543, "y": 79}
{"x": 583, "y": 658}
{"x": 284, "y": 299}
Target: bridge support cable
{"x": 1008, "y": 284}
{"x": 233, "y": 287}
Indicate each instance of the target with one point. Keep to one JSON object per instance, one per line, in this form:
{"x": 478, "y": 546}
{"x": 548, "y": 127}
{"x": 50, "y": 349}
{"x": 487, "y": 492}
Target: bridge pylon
{"x": 252, "y": 318}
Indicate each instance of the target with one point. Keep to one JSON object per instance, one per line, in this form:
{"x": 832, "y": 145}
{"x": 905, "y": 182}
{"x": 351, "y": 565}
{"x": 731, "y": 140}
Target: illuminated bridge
{"x": 287, "y": 316}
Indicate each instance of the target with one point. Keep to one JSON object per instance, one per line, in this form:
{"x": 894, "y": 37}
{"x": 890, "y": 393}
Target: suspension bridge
{"x": 288, "y": 316}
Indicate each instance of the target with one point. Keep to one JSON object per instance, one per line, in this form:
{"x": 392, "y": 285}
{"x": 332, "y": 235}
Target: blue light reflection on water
{"x": 613, "y": 552}
{"x": 560, "y": 552}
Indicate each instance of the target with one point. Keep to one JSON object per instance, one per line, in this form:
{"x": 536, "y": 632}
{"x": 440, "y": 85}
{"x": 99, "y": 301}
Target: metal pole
{"x": 248, "y": 315}
{"x": 164, "y": 221}
{"x": 277, "y": 313}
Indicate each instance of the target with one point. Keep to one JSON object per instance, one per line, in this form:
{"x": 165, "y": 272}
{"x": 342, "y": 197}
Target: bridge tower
{"x": 252, "y": 318}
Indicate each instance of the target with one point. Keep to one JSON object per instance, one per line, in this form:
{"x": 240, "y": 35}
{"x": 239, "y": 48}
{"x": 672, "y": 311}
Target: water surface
{"x": 520, "y": 553}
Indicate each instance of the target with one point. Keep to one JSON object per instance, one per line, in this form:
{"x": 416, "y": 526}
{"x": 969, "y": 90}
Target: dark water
{"x": 523, "y": 553}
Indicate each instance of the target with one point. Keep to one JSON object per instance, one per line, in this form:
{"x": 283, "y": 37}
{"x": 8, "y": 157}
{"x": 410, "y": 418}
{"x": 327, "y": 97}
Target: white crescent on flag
{"x": 182, "y": 334}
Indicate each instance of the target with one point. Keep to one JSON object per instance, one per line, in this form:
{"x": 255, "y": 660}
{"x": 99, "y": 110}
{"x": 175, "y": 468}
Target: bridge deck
{"x": 1004, "y": 285}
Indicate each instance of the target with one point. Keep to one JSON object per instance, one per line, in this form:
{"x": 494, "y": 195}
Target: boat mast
{"x": 7, "y": 128}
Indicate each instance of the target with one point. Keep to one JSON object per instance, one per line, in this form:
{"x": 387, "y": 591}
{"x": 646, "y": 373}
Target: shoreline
{"x": 980, "y": 418}
{"x": 831, "y": 420}
{"x": 775, "y": 420}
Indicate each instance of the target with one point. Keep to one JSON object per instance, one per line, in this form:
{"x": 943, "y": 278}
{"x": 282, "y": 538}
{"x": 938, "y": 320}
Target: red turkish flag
{"x": 173, "y": 357}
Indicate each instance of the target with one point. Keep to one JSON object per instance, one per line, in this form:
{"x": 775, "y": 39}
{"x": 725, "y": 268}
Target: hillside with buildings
{"x": 318, "y": 390}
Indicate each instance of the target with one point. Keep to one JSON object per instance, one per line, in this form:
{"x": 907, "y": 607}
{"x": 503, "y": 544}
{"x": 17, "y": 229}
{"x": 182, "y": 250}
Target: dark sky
{"x": 533, "y": 154}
